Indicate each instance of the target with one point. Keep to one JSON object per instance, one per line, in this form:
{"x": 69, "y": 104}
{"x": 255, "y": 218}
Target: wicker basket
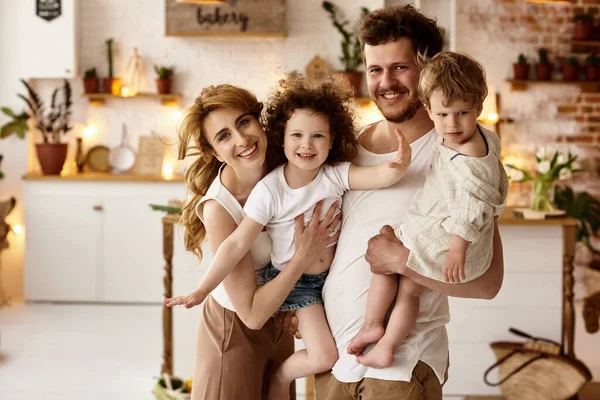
{"x": 536, "y": 370}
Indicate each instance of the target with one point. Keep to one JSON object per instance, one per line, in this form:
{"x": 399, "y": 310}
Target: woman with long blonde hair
{"x": 238, "y": 344}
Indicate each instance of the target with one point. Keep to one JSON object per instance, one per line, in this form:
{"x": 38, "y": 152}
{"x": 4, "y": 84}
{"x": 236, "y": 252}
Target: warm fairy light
{"x": 89, "y": 131}
{"x": 177, "y": 114}
{"x": 167, "y": 170}
{"x": 17, "y": 229}
{"x": 125, "y": 92}
{"x": 492, "y": 118}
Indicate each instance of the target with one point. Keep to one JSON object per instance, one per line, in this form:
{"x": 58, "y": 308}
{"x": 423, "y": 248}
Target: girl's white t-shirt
{"x": 275, "y": 204}
{"x": 261, "y": 248}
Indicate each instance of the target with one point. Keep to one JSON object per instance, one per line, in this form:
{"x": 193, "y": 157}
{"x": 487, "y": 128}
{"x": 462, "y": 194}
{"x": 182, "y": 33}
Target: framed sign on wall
{"x": 47, "y": 9}
{"x": 233, "y": 18}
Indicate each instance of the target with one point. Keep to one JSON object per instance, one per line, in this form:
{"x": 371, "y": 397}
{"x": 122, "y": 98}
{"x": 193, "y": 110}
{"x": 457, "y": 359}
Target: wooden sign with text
{"x": 234, "y": 18}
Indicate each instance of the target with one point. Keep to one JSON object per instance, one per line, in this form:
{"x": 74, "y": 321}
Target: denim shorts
{"x": 306, "y": 291}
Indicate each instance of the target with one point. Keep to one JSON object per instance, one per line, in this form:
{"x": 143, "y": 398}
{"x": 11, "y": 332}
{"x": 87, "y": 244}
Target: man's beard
{"x": 403, "y": 115}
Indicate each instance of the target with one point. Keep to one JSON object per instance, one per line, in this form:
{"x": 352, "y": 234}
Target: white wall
{"x": 254, "y": 63}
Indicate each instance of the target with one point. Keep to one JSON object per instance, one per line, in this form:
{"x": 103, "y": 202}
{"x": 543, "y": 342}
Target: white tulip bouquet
{"x": 550, "y": 167}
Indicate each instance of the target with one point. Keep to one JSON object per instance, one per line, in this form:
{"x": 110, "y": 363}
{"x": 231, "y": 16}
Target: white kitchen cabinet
{"x": 95, "y": 241}
{"x": 62, "y": 247}
{"x": 49, "y": 47}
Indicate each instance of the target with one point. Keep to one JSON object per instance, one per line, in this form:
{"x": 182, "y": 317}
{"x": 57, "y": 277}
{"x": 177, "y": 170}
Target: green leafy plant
{"x": 55, "y": 121}
{"x": 584, "y": 208}
{"x": 16, "y": 125}
{"x": 167, "y": 209}
{"x": 91, "y": 73}
{"x": 592, "y": 59}
{"x": 543, "y": 56}
{"x": 164, "y": 72}
{"x": 571, "y": 61}
{"x": 109, "y": 56}
{"x": 521, "y": 59}
{"x": 583, "y": 17}
{"x": 351, "y": 56}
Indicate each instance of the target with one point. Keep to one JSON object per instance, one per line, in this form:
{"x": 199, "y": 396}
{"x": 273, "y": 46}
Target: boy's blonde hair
{"x": 456, "y": 75}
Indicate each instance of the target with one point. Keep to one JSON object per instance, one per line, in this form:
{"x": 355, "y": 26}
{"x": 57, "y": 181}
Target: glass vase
{"x": 543, "y": 196}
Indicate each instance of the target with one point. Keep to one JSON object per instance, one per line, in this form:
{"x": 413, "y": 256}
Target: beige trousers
{"x": 233, "y": 362}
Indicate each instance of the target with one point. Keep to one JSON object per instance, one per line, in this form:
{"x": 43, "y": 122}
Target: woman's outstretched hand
{"x": 189, "y": 301}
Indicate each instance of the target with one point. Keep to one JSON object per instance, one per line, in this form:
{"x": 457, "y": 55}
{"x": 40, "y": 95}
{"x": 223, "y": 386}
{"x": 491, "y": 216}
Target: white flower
{"x": 543, "y": 166}
{"x": 562, "y": 158}
{"x": 564, "y": 173}
{"x": 543, "y": 153}
{"x": 516, "y": 175}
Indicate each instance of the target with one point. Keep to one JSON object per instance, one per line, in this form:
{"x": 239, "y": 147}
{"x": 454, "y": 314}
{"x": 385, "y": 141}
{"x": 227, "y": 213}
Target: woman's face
{"x": 236, "y": 137}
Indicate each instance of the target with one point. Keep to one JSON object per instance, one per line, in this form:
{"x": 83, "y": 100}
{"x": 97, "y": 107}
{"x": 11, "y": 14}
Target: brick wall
{"x": 544, "y": 114}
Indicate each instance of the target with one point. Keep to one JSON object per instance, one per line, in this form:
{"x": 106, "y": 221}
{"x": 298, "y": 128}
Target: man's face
{"x": 392, "y": 79}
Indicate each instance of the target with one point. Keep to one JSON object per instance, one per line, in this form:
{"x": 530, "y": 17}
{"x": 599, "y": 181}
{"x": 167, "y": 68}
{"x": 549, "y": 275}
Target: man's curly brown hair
{"x": 330, "y": 98}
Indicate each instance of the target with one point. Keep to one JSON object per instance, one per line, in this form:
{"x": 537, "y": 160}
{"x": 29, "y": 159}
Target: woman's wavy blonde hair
{"x": 192, "y": 142}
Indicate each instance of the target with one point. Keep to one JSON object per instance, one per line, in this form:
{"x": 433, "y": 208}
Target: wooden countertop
{"x": 99, "y": 177}
{"x": 508, "y": 218}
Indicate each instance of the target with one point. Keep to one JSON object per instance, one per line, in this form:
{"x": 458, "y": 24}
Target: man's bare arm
{"x": 387, "y": 255}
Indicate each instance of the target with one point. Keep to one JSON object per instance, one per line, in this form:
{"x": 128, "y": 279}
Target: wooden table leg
{"x": 568, "y": 336}
{"x": 167, "y": 314}
{"x": 310, "y": 387}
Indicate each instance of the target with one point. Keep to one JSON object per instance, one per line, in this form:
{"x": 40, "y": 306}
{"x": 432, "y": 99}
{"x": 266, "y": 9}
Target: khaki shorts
{"x": 424, "y": 385}
{"x": 232, "y": 361}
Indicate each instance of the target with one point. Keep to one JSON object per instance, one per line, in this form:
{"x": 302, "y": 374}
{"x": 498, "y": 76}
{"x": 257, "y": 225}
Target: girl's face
{"x": 307, "y": 139}
{"x": 236, "y": 137}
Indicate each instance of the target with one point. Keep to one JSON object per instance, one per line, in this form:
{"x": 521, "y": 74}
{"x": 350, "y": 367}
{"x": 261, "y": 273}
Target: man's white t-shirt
{"x": 275, "y": 204}
{"x": 364, "y": 212}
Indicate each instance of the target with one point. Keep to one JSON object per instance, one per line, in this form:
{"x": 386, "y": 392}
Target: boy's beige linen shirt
{"x": 461, "y": 196}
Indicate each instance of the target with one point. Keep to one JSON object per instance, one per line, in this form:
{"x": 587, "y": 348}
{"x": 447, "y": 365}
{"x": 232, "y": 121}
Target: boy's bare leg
{"x": 382, "y": 291}
{"x": 403, "y": 318}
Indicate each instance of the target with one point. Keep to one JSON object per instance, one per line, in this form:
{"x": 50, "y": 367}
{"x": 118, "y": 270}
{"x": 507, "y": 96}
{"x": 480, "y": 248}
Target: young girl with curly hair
{"x": 310, "y": 131}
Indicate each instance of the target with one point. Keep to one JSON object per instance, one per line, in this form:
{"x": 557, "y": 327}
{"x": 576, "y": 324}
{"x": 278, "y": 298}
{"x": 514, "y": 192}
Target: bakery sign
{"x": 231, "y": 18}
{"x": 47, "y": 9}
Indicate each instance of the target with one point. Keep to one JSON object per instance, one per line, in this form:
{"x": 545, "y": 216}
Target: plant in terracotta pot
{"x": 521, "y": 68}
{"x": 53, "y": 123}
{"x": 111, "y": 84}
{"x": 351, "y": 56}
{"x": 164, "y": 78}
{"x": 91, "y": 83}
{"x": 584, "y": 26}
{"x": 570, "y": 69}
{"x": 543, "y": 69}
{"x": 592, "y": 69}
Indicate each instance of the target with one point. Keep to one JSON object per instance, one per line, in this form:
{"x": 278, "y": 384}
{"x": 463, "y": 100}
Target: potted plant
{"x": 543, "y": 69}
{"x": 570, "y": 69}
{"x": 521, "y": 68}
{"x": 164, "y": 78}
{"x": 91, "y": 83}
{"x": 592, "y": 70}
{"x": 111, "y": 84}
{"x": 584, "y": 208}
{"x": 584, "y": 25}
{"x": 52, "y": 124}
{"x": 351, "y": 56}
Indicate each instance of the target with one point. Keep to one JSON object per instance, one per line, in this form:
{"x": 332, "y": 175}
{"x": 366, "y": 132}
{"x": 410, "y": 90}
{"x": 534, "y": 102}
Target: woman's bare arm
{"x": 255, "y": 305}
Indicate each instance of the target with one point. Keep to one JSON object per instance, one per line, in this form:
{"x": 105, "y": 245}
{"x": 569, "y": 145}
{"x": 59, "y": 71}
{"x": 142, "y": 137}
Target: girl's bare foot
{"x": 366, "y": 335}
{"x": 380, "y": 356}
{"x": 278, "y": 389}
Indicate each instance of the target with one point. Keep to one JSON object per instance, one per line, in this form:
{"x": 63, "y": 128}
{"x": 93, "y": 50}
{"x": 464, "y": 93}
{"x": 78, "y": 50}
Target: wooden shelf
{"x": 586, "y": 86}
{"x": 591, "y": 43}
{"x": 99, "y": 99}
{"x": 99, "y": 177}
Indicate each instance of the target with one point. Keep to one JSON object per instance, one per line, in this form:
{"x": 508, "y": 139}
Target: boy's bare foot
{"x": 380, "y": 356}
{"x": 278, "y": 389}
{"x": 366, "y": 335}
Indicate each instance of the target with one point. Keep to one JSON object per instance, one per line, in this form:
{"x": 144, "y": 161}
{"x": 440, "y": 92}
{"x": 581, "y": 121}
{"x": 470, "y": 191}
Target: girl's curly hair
{"x": 330, "y": 98}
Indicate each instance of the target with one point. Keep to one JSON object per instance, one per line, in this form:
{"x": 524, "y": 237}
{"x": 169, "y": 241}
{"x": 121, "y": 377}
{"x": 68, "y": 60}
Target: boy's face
{"x": 392, "y": 79}
{"x": 457, "y": 121}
